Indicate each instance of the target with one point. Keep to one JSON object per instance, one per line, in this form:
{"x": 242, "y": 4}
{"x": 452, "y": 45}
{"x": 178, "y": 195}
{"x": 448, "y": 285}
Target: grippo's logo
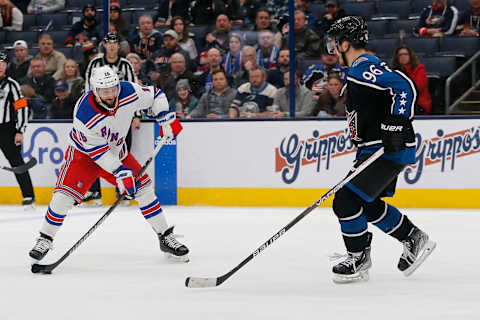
{"x": 294, "y": 153}
{"x": 442, "y": 149}
{"x": 47, "y": 151}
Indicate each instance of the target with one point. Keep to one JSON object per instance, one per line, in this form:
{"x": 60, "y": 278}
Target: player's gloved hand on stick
{"x": 170, "y": 127}
{"x": 126, "y": 182}
{"x": 396, "y": 131}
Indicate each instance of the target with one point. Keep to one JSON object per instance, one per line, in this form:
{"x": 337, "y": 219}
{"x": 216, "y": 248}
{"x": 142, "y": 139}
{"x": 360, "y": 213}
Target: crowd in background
{"x": 238, "y": 68}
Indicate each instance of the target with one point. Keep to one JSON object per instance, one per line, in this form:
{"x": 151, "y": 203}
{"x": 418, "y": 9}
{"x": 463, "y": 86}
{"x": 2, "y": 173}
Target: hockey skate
{"x": 41, "y": 247}
{"x": 416, "y": 248}
{"x": 355, "y": 266}
{"x": 28, "y": 204}
{"x": 92, "y": 198}
{"x": 171, "y": 247}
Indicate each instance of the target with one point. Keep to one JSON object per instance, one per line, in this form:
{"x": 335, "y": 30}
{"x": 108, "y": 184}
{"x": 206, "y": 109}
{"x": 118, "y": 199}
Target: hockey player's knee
{"x": 145, "y": 196}
{"x": 61, "y": 203}
{"x": 375, "y": 210}
{"x": 346, "y": 203}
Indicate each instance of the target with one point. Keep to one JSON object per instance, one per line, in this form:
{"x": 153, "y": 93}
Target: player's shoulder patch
{"x": 85, "y": 110}
{"x": 126, "y": 89}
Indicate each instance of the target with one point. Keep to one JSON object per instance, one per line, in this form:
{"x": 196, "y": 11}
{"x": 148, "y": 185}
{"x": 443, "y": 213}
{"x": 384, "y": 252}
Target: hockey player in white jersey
{"x": 102, "y": 117}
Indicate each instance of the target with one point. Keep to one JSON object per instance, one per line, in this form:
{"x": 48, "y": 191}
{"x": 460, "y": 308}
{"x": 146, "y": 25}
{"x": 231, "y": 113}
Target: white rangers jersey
{"x": 101, "y": 134}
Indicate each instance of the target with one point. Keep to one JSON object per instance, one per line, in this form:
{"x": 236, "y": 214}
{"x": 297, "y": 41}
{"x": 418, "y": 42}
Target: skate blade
{"x": 175, "y": 258}
{"x": 426, "y": 251}
{"x": 356, "y": 277}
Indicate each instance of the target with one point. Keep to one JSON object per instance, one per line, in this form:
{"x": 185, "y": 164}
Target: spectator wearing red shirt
{"x": 404, "y": 59}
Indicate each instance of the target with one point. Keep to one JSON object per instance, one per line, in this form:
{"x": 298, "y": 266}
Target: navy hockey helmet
{"x": 3, "y": 56}
{"x": 111, "y": 37}
{"x": 351, "y": 28}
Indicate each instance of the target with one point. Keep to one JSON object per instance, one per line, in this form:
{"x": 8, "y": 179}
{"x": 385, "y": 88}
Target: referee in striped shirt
{"x": 13, "y": 120}
{"x": 125, "y": 72}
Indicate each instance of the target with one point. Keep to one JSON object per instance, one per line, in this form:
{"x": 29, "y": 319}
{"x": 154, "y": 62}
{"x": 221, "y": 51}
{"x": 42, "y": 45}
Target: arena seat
{"x": 364, "y": 9}
{"x": 59, "y": 36}
{"x": 317, "y": 10}
{"x": 68, "y": 52}
{"x": 30, "y": 37}
{"x": 428, "y": 46}
{"x": 378, "y": 28}
{"x": 466, "y": 45}
{"x": 399, "y": 9}
{"x": 58, "y": 20}
{"x": 406, "y": 25}
{"x": 441, "y": 67}
{"x": 29, "y": 21}
{"x": 383, "y": 47}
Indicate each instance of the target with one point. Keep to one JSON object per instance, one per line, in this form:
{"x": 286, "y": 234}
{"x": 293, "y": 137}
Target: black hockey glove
{"x": 396, "y": 132}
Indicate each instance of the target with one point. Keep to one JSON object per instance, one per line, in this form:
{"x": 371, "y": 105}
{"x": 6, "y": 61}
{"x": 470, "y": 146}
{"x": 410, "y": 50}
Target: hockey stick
{"x": 47, "y": 268}
{"x": 197, "y": 282}
{"x": 22, "y": 168}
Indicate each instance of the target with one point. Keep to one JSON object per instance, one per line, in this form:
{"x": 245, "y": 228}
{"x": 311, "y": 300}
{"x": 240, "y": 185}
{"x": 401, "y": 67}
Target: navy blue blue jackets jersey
{"x": 374, "y": 92}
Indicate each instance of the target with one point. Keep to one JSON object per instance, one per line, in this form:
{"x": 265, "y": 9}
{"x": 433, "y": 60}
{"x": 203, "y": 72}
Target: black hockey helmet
{"x": 111, "y": 37}
{"x": 3, "y": 56}
{"x": 351, "y": 28}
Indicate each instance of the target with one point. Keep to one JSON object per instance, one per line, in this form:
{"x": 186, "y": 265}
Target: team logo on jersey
{"x": 352, "y": 125}
{"x": 444, "y": 148}
{"x": 294, "y": 153}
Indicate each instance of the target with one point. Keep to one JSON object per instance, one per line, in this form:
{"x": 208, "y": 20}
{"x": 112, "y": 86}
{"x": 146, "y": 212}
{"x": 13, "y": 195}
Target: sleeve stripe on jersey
{"x": 128, "y": 100}
{"x": 93, "y": 122}
{"x": 368, "y": 84}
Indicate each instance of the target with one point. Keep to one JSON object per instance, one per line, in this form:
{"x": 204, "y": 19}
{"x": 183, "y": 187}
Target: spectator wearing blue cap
{"x": 62, "y": 106}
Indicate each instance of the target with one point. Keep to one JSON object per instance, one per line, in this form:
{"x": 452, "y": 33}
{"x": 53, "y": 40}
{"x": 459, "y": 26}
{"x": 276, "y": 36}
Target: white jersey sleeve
{"x": 152, "y": 100}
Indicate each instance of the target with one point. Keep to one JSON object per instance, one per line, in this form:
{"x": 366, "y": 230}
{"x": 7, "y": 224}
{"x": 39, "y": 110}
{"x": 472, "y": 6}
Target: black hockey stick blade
{"x": 22, "y": 168}
{"x": 197, "y": 282}
{"x": 48, "y": 268}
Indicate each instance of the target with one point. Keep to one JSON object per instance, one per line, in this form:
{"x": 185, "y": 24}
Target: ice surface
{"x": 119, "y": 272}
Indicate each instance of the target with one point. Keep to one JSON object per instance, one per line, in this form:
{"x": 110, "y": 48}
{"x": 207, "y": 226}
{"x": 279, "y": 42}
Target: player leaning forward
{"x": 380, "y": 104}
{"x": 102, "y": 117}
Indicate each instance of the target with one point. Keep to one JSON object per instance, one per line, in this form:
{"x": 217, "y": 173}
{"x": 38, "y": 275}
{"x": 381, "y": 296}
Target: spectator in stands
{"x": 19, "y": 65}
{"x": 90, "y": 52}
{"x": 185, "y": 40}
{"x": 123, "y": 45}
{"x": 275, "y": 75}
{"x": 118, "y": 20}
{"x": 168, "y": 9}
{"x": 178, "y": 70}
{"x": 214, "y": 62}
{"x": 304, "y": 6}
{"x": 405, "y": 59}
{"x": 332, "y": 12}
{"x": 262, "y": 21}
{"x": 11, "y": 18}
{"x": 231, "y": 62}
{"x": 330, "y": 103}
{"x": 42, "y": 87}
{"x": 303, "y": 98}
{"x": 307, "y": 42}
{"x": 277, "y": 8}
{"x": 204, "y": 12}
{"x": 45, "y": 6}
{"x": 159, "y": 61}
{"x": 87, "y": 26}
{"x": 71, "y": 74}
{"x": 63, "y": 104}
{"x": 184, "y": 101}
{"x": 438, "y": 19}
{"x": 54, "y": 60}
{"x": 249, "y": 61}
{"x": 215, "y": 103}
{"x": 469, "y": 22}
{"x": 267, "y": 52}
{"x": 315, "y": 78}
{"x": 136, "y": 62}
{"x": 147, "y": 40}
{"x": 218, "y": 38}
{"x": 255, "y": 98}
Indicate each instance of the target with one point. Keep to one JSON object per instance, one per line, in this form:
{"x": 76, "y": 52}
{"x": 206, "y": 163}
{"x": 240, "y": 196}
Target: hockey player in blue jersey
{"x": 380, "y": 106}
